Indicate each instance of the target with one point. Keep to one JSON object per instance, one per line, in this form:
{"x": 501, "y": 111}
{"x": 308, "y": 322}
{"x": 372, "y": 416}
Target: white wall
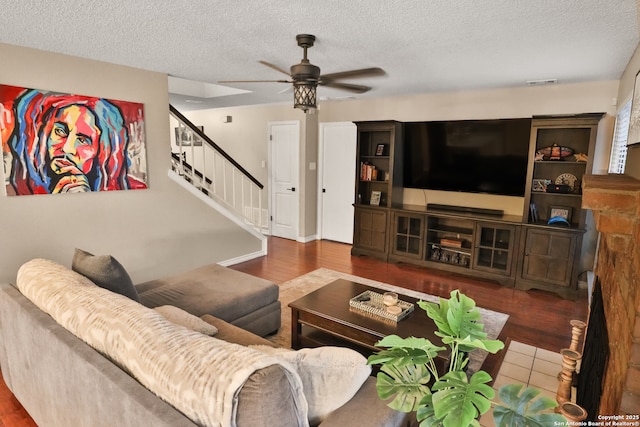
{"x": 153, "y": 232}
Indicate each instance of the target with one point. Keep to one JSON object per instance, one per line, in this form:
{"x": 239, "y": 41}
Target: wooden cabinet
{"x": 524, "y": 251}
{"x": 379, "y": 163}
{"x": 378, "y": 185}
{"x": 554, "y": 184}
{"x": 549, "y": 260}
{"x": 370, "y": 231}
{"x": 561, "y": 153}
{"x": 461, "y": 243}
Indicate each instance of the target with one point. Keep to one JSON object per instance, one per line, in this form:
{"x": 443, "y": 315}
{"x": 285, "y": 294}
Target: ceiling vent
{"x": 541, "y": 82}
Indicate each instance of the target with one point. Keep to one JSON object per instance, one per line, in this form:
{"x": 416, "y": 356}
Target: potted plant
{"x": 408, "y": 374}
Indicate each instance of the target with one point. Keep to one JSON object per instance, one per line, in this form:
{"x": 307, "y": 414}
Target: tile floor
{"x": 528, "y": 365}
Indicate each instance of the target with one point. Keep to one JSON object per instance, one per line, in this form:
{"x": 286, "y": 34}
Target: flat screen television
{"x": 473, "y": 156}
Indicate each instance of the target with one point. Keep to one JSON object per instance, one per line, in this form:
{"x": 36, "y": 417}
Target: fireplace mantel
{"x": 615, "y": 202}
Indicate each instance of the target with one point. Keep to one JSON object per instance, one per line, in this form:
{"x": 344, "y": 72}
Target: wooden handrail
{"x": 208, "y": 140}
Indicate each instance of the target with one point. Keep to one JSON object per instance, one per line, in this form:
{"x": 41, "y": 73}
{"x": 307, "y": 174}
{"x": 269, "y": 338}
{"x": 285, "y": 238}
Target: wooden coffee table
{"x": 324, "y": 317}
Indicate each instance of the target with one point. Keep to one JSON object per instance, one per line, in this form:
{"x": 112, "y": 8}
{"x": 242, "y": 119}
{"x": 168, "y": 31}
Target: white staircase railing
{"x": 199, "y": 161}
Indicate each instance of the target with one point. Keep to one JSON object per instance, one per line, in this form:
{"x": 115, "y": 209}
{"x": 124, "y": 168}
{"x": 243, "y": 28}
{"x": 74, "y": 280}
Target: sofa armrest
{"x": 367, "y": 409}
{"x": 231, "y": 333}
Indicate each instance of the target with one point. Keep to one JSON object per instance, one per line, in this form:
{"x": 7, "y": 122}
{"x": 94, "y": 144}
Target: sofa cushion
{"x": 105, "y": 271}
{"x": 211, "y": 289}
{"x": 331, "y": 376}
{"x": 231, "y": 333}
{"x": 187, "y": 320}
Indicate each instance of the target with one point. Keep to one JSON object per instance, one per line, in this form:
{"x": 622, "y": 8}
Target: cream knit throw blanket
{"x": 198, "y": 375}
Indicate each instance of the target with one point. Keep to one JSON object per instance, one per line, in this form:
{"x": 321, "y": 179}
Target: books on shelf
{"x": 369, "y": 172}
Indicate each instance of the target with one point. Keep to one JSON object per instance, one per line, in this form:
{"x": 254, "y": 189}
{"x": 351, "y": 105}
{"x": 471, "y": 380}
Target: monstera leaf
{"x": 406, "y": 384}
{"x": 405, "y": 351}
{"x": 458, "y": 401}
{"x": 456, "y": 317}
{"x": 524, "y": 409}
{"x": 457, "y": 321}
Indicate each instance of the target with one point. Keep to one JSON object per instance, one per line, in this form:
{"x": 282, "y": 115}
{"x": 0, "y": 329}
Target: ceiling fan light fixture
{"x": 304, "y": 95}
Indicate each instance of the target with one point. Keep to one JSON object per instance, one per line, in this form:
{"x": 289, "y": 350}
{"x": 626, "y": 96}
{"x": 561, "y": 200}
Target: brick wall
{"x": 615, "y": 202}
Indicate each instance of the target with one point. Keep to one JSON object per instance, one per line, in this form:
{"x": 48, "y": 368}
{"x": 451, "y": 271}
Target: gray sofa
{"x": 63, "y": 381}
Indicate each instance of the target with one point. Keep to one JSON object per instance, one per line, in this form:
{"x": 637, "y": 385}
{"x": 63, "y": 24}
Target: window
{"x": 619, "y": 144}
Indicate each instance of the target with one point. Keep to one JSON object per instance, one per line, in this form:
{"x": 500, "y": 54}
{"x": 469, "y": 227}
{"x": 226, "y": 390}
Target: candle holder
{"x": 573, "y": 412}
{"x": 577, "y": 328}
{"x": 569, "y": 360}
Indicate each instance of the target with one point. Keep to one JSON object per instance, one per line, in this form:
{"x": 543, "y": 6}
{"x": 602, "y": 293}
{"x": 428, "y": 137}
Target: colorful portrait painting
{"x": 62, "y": 143}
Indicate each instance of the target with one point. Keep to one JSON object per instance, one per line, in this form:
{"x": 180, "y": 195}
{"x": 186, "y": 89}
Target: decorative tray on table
{"x": 371, "y": 303}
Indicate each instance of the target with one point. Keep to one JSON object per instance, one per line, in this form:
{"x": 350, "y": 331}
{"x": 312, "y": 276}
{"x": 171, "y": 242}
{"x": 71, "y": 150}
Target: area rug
{"x": 302, "y": 285}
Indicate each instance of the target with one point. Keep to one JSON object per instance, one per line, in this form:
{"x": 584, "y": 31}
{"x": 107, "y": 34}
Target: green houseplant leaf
{"x": 524, "y": 410}
{"x": 458, "y": 401}
{"x": 406, "y": 384}
{"x": 456, "y": 317}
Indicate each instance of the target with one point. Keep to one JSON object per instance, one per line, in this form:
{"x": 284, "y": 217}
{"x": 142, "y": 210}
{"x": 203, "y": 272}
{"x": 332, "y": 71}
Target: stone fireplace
{"x": 615, "y": 202}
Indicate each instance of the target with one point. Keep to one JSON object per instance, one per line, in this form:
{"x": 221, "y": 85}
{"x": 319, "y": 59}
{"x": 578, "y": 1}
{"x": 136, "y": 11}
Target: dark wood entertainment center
{"x": 521, "y": 251}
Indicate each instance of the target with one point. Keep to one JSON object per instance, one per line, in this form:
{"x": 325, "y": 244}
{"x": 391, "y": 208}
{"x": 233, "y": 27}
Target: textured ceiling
{"x": 423, "y": 45}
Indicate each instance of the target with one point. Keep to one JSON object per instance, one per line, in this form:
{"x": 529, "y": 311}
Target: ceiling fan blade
{"x": 354, "y": 74}
{"x": 275, "y": 67}
{"x": 254, "y": 81}
{"x": 346, "y": 86}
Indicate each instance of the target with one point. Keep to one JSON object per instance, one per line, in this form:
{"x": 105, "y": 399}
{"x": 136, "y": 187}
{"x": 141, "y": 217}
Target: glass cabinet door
{"x": 408, "y": 235}
{"x": 494, "y": 247}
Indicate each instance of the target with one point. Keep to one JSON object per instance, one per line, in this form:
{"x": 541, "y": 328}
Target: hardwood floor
{"x": 537, "y": 318}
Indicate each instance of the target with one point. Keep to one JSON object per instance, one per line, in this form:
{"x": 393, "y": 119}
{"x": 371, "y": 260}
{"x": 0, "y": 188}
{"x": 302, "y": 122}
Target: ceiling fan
{"x": 306, "y": 77}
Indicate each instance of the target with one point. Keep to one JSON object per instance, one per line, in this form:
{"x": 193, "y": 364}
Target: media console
{"x": 521, "y": 251}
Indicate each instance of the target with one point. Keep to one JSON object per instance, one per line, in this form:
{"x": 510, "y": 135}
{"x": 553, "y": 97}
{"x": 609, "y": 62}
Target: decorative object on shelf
{"x": 581, "y": 157}
{"x": 634, "y": 119}
{"x": 554, "y": 152}
{"x": 559, "y": 215}
{"x": 540, "y": 185}
{"x": 567, "y": 179}
{"x": 380, "y": 150}
{"x": 559, "y": 188}
{"x": 454, "y": 243}
{"x": 375, "y": 198}
{"x": 533, "y": 212}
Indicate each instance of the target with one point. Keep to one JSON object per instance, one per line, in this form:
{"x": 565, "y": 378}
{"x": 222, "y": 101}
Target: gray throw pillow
{"x": 105, "y": 271}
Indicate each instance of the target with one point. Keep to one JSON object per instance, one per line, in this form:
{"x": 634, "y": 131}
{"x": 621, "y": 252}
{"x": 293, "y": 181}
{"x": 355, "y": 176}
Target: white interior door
{"x": 337, "y": 171}
{"x": 284, "y": 139}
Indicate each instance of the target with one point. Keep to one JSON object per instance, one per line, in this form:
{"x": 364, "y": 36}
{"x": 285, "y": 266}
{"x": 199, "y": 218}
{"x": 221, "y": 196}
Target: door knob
{"x": 292, "y": 189}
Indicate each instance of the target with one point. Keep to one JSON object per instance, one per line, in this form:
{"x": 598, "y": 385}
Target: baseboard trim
{"x": 307, "y": 239}
{"x": 243, "y": 258}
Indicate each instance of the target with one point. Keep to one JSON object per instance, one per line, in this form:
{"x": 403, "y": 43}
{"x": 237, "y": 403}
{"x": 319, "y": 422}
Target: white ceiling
{"x": 423, "y": 45}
